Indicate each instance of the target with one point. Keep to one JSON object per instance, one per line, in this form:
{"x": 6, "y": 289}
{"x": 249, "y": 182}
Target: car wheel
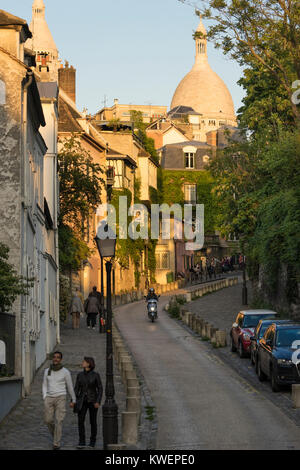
{"x": 241, "y": 350}
{"x": 233, "y": 347}
{"x": 274, "y": 385}
{"x": 261, "y": 375}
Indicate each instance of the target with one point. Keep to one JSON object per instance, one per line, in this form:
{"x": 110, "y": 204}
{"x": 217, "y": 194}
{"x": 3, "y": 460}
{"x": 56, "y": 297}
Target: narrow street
{"x": 201, "y": 402}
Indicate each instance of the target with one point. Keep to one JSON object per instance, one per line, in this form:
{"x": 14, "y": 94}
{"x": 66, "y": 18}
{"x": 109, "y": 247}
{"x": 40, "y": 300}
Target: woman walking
{"x": 75, "y": 309}
{"x": 88, "y": 391}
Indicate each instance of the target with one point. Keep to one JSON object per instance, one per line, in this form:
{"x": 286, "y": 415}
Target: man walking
{"x": 92, "y": 308}
{"x": 57, "y": 382}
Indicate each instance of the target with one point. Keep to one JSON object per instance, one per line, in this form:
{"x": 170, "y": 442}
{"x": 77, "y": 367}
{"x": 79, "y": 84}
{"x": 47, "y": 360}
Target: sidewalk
{"x": 24, "y": 428}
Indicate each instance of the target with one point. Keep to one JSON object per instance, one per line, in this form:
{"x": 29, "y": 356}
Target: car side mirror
{"x": 235, "y": 325}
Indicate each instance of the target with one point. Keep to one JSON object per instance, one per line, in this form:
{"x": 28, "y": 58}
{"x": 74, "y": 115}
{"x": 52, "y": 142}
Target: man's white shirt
{"x": 58, "y": 383}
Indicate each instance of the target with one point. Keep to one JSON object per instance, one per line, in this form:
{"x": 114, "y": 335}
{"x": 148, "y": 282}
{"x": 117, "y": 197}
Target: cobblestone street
{"x": 24, "y": 427}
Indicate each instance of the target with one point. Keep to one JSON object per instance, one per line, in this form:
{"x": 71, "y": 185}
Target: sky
{"x": 133, "y": 50}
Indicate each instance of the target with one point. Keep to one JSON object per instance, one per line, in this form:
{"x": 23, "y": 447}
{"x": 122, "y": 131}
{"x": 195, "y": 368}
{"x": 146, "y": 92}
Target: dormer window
{"x": 189, "y": 160}
{"x": 189, "y": 157}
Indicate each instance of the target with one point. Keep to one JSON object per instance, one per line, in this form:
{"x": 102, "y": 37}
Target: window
{"x": 190, "y": 194}
{"x": 189, "y": 160}
{"x": 163, "y": 260}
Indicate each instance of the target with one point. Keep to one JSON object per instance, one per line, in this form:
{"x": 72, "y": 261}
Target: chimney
{"x": 67, "y": 80}
{"x": 212, "y": 138}
{"x": 116, "y": 101}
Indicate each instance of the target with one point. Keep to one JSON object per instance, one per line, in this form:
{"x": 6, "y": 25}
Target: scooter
{"x": 152, "y": 309}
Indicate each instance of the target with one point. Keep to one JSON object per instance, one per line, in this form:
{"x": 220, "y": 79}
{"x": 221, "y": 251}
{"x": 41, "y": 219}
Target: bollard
{"x": 296, "y": 395}
{"x": 130, "y": 374}
{"x": 133, "y": 392}
{"x": 208, "y": 330}
{"x": 187, "y": 318}
{"x": 194, "y": 323}
{"x": 221, "y": 338}
{"x": 198, "y": 326}
{"x": 203, "y": 331}
{"x": 134, "y": 404}
{"x": 188, "y": 297}
{"x": 129, "y": 427}
{"x": 127, "y": 366}
{"x": 132, "y": 383}
{"x": 213, "y": 331}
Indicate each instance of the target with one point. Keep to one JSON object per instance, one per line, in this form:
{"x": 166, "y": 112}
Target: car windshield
{"x": 287, "y": 336}
{"x": 251, "y": 321}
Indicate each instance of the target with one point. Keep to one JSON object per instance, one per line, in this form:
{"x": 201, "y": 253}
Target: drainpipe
{"x": 25, "y": 351}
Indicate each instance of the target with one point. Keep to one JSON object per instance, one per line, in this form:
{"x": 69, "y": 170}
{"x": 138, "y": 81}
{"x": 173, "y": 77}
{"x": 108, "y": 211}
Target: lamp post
{"x": 106, "y": 248}
{"x": 245, "y": 292}
{"x": 102, "y": 319}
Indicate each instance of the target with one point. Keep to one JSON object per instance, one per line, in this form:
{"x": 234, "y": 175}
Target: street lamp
{"x": 107, "y": 248}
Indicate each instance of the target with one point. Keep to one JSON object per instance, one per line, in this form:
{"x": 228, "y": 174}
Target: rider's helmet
{"x": 151, "y": 290}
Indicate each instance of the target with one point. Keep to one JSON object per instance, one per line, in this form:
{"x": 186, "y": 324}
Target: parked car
{"x": 274, "y": 355}
{"x": 258, "y": 334}
{"x": 243, "y": 328}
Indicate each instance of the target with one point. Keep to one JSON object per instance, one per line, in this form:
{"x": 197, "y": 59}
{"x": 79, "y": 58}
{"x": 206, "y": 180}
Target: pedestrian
{"x": 75, "y": 309}
{"x": 57, "y": 382}
{"x": 88, "y": 390}
{"x": 92, "y": 307}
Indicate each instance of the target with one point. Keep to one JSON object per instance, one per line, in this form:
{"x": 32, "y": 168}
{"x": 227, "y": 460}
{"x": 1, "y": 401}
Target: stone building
{"x": 22, "y": 208}
{"x": 122, "y": 112}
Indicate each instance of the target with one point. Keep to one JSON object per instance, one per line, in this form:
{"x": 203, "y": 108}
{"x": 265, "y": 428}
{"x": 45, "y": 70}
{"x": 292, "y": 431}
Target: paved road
{"x": 200, "y": 401}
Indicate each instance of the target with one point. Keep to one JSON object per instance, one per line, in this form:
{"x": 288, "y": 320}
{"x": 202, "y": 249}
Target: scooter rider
{"x": 151, "y": 294}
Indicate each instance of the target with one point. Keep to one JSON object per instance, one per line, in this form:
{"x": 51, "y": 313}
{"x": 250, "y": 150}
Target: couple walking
{"x": 92, "y": 306}
{"x": 86, "y": 396}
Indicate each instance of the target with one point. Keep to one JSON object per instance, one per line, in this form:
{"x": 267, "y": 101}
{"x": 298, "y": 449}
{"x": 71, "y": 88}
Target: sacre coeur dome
{"x": 202, "y": 89}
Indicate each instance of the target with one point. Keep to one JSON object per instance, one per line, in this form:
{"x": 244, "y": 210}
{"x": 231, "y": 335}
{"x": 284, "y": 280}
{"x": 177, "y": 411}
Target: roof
{"x": 6, "y": 19}
{"x": 259, "y": 311}
{"x": 195, "y": 143}
{"x": 179, "y": 110}
{"x": 289, "y": 325}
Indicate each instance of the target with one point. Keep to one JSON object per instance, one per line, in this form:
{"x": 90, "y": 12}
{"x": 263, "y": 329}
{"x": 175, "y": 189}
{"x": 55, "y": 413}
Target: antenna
{"x": 104, "y": 102}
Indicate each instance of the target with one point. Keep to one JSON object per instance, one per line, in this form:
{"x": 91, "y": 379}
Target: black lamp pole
{"x": 245, "y": 292}
{"x": 110, "y": 408}
{"x": 102, "y": 327}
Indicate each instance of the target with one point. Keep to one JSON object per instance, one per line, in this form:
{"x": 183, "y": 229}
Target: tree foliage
{"x": 80, "y": 194}
{"x": 11, "y": 284}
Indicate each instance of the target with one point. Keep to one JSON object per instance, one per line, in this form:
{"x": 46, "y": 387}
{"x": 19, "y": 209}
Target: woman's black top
{"x": 88, "y": 387}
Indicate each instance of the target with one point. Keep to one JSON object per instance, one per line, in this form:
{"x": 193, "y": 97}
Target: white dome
{"x": 202, "y": 89}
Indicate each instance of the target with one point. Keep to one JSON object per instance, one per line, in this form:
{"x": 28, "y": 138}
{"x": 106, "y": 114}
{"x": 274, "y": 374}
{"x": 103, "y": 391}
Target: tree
{"x": 80, "y": 194}
{"x": 11, "y": 284}
{"x": 139, "y": 125}
{"x": 260, "y": 33}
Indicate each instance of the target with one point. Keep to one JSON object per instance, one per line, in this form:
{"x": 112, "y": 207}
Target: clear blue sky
{"x": 134, "y": 50}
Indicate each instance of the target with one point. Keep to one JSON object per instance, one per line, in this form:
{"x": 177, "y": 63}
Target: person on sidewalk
{"x": 57, "y": 382}
{"x": 75, "y": 309}
{"x": 92, "y": 307}
{"x": 88, "y": 390}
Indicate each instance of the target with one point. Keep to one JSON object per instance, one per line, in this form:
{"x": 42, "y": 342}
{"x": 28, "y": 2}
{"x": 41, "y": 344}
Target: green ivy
{"x": 173, "y": 192}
